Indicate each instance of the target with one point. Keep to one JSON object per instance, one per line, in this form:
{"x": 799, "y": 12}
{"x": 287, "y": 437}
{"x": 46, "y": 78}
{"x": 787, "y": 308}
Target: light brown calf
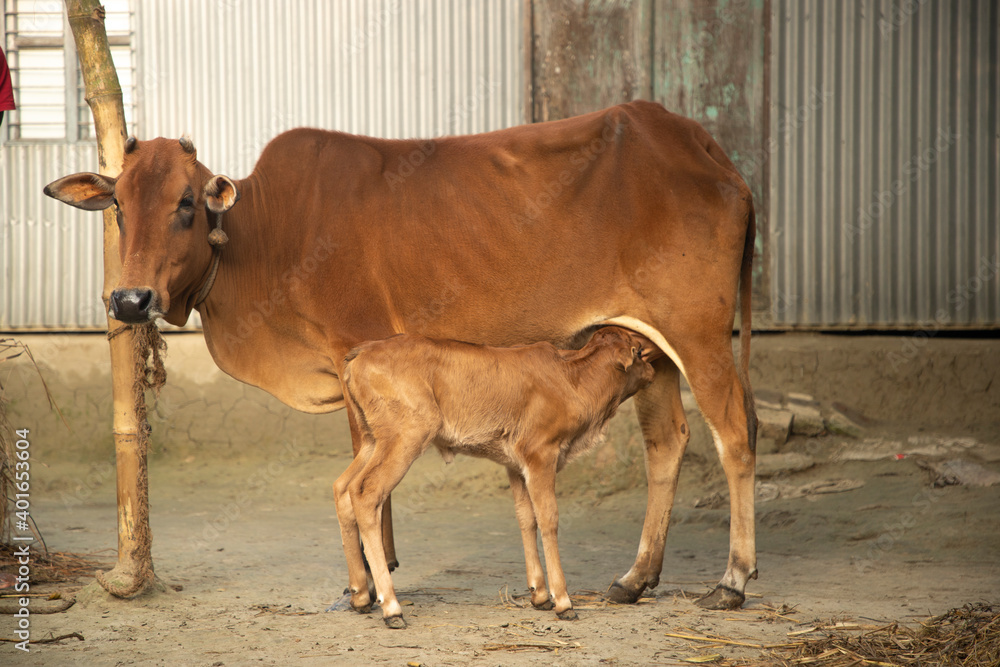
{"x": 530, "y": 409}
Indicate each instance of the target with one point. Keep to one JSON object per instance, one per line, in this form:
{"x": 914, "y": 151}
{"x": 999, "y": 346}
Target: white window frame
{"x": 78, "y": 119}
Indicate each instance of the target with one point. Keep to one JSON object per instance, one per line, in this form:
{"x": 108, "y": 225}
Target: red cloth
{"x": 6, "y": 89}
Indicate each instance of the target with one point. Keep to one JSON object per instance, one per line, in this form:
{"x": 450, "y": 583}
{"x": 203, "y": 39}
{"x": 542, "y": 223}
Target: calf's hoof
{"x": 568, "y": 615}
{"x": 394, "y": 622}
{"x": 544, "y": 606}
{"x": 393, "y": 564}
{"x": 723, "y": 598}
{"x": 619, "y": 594}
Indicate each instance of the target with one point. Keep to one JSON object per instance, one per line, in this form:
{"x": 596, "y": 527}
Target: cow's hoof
{"x": 721, "y": 598}
{"x": 621, "y": 595}
{"x": 395, "y": 622}
{"x": 545, "y": 606}
{"x": 568, "y": 615}
{"x": 393, "y": 564}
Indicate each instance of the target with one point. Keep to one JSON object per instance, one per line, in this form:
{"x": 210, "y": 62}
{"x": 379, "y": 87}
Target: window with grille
{"x": 48, "y": 87}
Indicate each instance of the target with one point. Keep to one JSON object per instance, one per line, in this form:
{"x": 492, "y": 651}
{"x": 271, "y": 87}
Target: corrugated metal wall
{"x": 885, "y": 163}
{"x": 233, "y": 75}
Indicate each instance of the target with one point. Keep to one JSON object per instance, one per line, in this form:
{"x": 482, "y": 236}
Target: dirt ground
{"x": 848, "y": 530}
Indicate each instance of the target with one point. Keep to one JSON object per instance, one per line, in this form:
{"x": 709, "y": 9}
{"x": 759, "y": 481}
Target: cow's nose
{"x": 131, "y": 305}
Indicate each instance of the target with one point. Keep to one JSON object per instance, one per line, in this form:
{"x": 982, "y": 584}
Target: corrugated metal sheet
{"x": 51, "y": 253}
{"x": 235, "y": 74}
{"x": 885, "y": 163}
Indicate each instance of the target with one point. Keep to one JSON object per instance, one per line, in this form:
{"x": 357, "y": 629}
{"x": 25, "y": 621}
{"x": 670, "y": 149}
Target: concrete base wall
{"x": 935, "y": 384}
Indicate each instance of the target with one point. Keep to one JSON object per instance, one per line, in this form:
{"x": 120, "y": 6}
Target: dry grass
{"x": 55, "y": 567}
{"x": 968, "y": 636}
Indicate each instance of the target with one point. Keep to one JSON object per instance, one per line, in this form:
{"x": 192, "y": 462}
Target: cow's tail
{"x": 746, "y": 274}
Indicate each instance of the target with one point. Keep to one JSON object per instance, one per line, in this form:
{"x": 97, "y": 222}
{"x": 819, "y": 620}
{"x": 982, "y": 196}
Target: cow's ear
{"x": 220, "y": 194}
{"x": 91, "y": 192}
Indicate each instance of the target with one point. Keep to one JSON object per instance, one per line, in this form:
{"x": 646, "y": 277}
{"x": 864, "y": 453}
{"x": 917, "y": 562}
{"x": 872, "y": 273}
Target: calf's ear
{"x": 220, "y": 194}
{"x": 624, "y": 358}
{"x": 91, "y": 192}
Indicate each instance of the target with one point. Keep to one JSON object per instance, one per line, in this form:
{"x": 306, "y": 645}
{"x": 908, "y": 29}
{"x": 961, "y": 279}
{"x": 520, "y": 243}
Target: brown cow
{"x": 531, "y": 409}
{"x": 631, "y": 216}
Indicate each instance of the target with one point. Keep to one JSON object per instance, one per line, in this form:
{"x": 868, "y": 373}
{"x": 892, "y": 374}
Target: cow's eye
{"x": 187, "y": 202}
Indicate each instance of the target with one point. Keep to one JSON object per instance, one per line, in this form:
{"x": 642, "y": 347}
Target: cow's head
{"x": 166, "y": 203}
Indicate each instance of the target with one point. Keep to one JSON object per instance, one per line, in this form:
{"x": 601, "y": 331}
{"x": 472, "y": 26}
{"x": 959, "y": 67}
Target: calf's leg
{"x": 666, "y": 434}
{"x": 369, "y": 490}
{"x": 540, "y": 479}
{"x": 361, "y": 598}
{"x": 357, "y": 441}
{"x": 529, "y": 537}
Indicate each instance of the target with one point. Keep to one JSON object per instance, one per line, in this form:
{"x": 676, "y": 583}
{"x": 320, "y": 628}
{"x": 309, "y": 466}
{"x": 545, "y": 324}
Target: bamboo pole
{"x": 133, "y": 573}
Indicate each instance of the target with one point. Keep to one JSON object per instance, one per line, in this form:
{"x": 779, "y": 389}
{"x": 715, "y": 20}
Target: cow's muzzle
{"x": 133, "y": 305}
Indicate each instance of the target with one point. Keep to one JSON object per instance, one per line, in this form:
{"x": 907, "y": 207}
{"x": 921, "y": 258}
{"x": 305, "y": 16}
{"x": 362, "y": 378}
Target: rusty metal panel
{"x": 589, "y": 54}
{"x": 885, "y": 164}
{"x": 709, "y": 64}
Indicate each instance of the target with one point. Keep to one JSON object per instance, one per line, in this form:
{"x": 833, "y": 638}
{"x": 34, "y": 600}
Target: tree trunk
{"x": 134, "y": 572}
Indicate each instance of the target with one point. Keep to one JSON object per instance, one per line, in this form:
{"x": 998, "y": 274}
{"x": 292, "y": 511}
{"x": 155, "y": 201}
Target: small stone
{"x": 801, "y": 399}
{"x": 778, "y": 464}
{"x": 774, "y": 424}
{"x": 807, "y": 419}
{"x": 839, "y": 423}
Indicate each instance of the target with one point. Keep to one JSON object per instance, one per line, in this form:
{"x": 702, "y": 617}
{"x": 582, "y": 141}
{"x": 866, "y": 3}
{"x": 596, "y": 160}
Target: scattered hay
{"x": 968, "y": 636}
{"x": 54, "y": 567}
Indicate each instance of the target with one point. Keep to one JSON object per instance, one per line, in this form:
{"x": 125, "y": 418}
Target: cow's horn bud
{"x": 187, "y": 144}
{"x": 130, "y": 144}
{"x": 217, "y": 238}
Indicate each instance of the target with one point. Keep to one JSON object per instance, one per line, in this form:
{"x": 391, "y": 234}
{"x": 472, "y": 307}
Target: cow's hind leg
{"x": 529, "y": 537}
{"x": 666, "y": 434}
{"x": 727, "y": 407}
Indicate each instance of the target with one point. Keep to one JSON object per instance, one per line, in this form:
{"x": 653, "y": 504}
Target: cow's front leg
{"x": 529, "y": 538}
{"x": 666, "y": 434}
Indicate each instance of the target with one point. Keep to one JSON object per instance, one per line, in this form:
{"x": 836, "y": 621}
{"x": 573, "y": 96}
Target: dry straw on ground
{"x": 968, "y": 636}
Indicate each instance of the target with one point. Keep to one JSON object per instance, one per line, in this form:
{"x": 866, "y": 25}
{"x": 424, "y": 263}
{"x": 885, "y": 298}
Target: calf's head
{"x": 166, "y": 203}
{"x": 629, "y": 352}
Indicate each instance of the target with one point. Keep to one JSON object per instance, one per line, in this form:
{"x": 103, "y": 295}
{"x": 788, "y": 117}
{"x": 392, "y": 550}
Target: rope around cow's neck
{"x": 217, "y": 239}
